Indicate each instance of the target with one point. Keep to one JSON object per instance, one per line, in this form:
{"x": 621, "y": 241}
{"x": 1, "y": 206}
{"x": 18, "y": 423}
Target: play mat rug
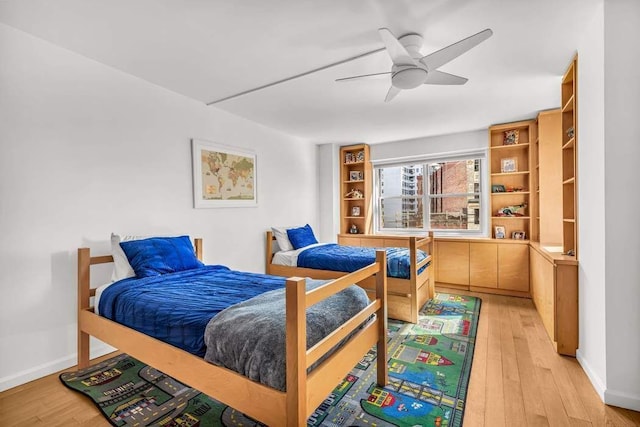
{"x": 429, "y": 368}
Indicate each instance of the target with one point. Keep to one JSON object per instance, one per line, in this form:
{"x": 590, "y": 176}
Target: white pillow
{"x": 282, "y": 238}
{"x": 121, "y": 267}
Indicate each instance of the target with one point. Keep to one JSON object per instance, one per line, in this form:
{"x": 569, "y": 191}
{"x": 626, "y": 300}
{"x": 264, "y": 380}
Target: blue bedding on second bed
{"x": 351, "y": 258}
{"x": 176, "y": 307}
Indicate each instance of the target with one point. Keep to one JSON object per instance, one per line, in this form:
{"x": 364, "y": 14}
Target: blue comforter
{"x": 351, "y": 258}
{"x": 176, "y": 307}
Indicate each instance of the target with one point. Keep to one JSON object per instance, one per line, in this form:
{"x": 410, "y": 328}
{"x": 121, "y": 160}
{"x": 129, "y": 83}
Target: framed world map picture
{"x": 223, "y": 176}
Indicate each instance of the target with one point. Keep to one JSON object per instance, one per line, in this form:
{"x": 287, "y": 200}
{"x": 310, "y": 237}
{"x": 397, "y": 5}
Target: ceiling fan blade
{"x": 439, "y": 58}
{"x": 363, "y": 76}
{"x": 397, "y": 52}
{"x": 436, "y": 77}
{"x": 393, "y": 91}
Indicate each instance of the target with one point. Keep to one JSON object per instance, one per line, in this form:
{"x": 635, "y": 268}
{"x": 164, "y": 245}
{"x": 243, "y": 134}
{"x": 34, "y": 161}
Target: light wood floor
{"x": 516, "y": 380}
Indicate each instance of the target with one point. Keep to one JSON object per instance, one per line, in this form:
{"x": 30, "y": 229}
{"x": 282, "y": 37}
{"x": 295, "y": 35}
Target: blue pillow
{"x": 301, "y": 237}
{"x": 160, "y": 255}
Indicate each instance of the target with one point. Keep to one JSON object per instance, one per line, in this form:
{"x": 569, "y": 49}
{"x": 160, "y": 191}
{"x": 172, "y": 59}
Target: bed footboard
{"x": 305, "y": 392}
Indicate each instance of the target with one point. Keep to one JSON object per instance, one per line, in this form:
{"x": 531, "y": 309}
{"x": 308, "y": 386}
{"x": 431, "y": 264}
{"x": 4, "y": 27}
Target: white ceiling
{"x": 211, "y": 49}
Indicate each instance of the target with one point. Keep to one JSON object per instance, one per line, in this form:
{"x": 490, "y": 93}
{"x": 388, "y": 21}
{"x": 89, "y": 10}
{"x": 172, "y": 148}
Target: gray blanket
{"x": 249, "y": 337}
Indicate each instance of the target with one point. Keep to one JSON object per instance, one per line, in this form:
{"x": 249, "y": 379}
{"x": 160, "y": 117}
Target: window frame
{"x": 480, "y": 154}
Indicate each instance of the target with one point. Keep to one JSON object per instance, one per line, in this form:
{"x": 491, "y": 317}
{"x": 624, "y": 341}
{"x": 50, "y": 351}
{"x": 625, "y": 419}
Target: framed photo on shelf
{"x": 519, "y": 235}
{"x": 348, "y": 158}
{"x": 355, "y": 211}
{"x": 498, "y": 188}
{"x": 499, "y": 231}
{"x": 508, "y": 165}
{"x": 355, "y": 176}
{"x": 511, "y": 137}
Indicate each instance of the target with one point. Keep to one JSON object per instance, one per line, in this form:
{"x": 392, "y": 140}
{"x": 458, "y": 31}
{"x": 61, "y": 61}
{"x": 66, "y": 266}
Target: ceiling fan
{"x": 410, "y": 69}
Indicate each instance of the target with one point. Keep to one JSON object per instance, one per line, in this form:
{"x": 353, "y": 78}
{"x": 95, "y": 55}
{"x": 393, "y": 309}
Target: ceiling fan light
{"x": 409, "y": 78}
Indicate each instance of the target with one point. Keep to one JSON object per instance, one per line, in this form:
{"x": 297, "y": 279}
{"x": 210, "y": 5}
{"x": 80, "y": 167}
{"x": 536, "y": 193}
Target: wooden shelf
{"x": 524, "y": 146}
{"x": 510, "y": 217}
{"x": 508, "y": 193}
{"x": 509, "y": 173}
{"x": 568, "y": 105}
{"x": 569, "y": 98}
{"x": 521, "y": 153}
{"x": 349, "y": 165}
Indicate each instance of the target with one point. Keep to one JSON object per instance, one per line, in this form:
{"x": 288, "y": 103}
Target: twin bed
{"x": 225, "y": 312}
{"x": 409, "y": 269}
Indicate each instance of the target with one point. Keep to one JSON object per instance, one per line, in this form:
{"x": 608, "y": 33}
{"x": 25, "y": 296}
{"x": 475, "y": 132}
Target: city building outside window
{"x": 442, "y": 196}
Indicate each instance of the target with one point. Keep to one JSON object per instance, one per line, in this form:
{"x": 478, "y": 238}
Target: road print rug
{"x": 429, "y": 368}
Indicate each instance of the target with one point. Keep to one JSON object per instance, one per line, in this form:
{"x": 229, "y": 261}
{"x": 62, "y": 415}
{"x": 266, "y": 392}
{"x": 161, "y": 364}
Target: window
{"x": 438, "y": 195}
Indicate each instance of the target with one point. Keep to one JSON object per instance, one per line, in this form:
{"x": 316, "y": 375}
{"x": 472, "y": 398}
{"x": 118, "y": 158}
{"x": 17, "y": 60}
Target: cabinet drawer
{"x": 349, "y": 241}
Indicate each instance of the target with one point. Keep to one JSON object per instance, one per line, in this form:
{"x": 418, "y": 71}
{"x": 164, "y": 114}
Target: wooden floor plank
{"x": 517, "y": 379}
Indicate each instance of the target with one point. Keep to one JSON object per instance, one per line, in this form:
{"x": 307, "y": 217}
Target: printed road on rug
{"x": 429, "y": 368}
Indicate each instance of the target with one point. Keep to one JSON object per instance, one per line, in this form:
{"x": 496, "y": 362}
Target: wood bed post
{"x": 381, "y": 294}
{"x": 84, "y": 284}
{"x": 197, "y": 242}
{"x": 432, "y": 268}
{"x": 269, "y": 253}
{"x": 413, "y": 264}
{"x": 296, "y": 348}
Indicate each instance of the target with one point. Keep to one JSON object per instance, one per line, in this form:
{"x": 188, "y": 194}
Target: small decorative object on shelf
{"x": 354, "y": 194}
{"x": 513, "y": 210}
{"x": 353, "y": 229}
{"x": 509, "y": 165}
{"x": 356, "y": 176}
{"x": 511, "y": 189}
{"x": 349, "y": 158}
{"x": 360, "y": 156}
{"x": 519, "y": 235}
{"x": 498, "y": 188}
{"x": 355, "y": 211}
{"x": 499, "y": 231}
{"x": 511, "y": 137}
{"x": 570, "y": 132}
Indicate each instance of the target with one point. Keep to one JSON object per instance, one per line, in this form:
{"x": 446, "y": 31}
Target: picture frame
{"x": 223, "y": 176}
{"x": 355, "y": 211}
{"x": 498, "y": 188}
{"x": 511, "y": 137}
{"x": 355, "y": 176}
{"x": 499, "y": 232}
{"x": 349, "y": 158}
{"x": 519, "y": 235}
{"x": 509, "y": 165}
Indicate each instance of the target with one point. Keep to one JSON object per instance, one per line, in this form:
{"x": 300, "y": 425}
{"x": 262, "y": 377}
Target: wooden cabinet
{"x": 554, "y": 290}
{"x": 510, "y": 161}
{"x": 549, "y": 177}
{"x": 452, "y": 262}
{"x": 484, "y": 265}
{"x": 513, "y": 267}
{"x": 569, "y": 151}
{"x": 355, "y": 188}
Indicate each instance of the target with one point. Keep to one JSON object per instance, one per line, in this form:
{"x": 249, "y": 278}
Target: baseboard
{"x": 23, "y": 377}
{"x": 622, "y": 400}
{"x": 597, "y": 383}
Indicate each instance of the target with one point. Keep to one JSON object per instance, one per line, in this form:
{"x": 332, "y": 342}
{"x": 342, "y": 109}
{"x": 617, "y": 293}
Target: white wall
{"x": 87, "y": 150}
{"x": 622, "y": 247}
{"x": 430, "y": 145}
{"x": 329, "y": 195}
{"x": 591, "y": 200}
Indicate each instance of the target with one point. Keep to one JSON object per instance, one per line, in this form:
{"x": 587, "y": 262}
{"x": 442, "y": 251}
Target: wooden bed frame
{"x": 305, "y": 391}
{"x": 405, "y": 296}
